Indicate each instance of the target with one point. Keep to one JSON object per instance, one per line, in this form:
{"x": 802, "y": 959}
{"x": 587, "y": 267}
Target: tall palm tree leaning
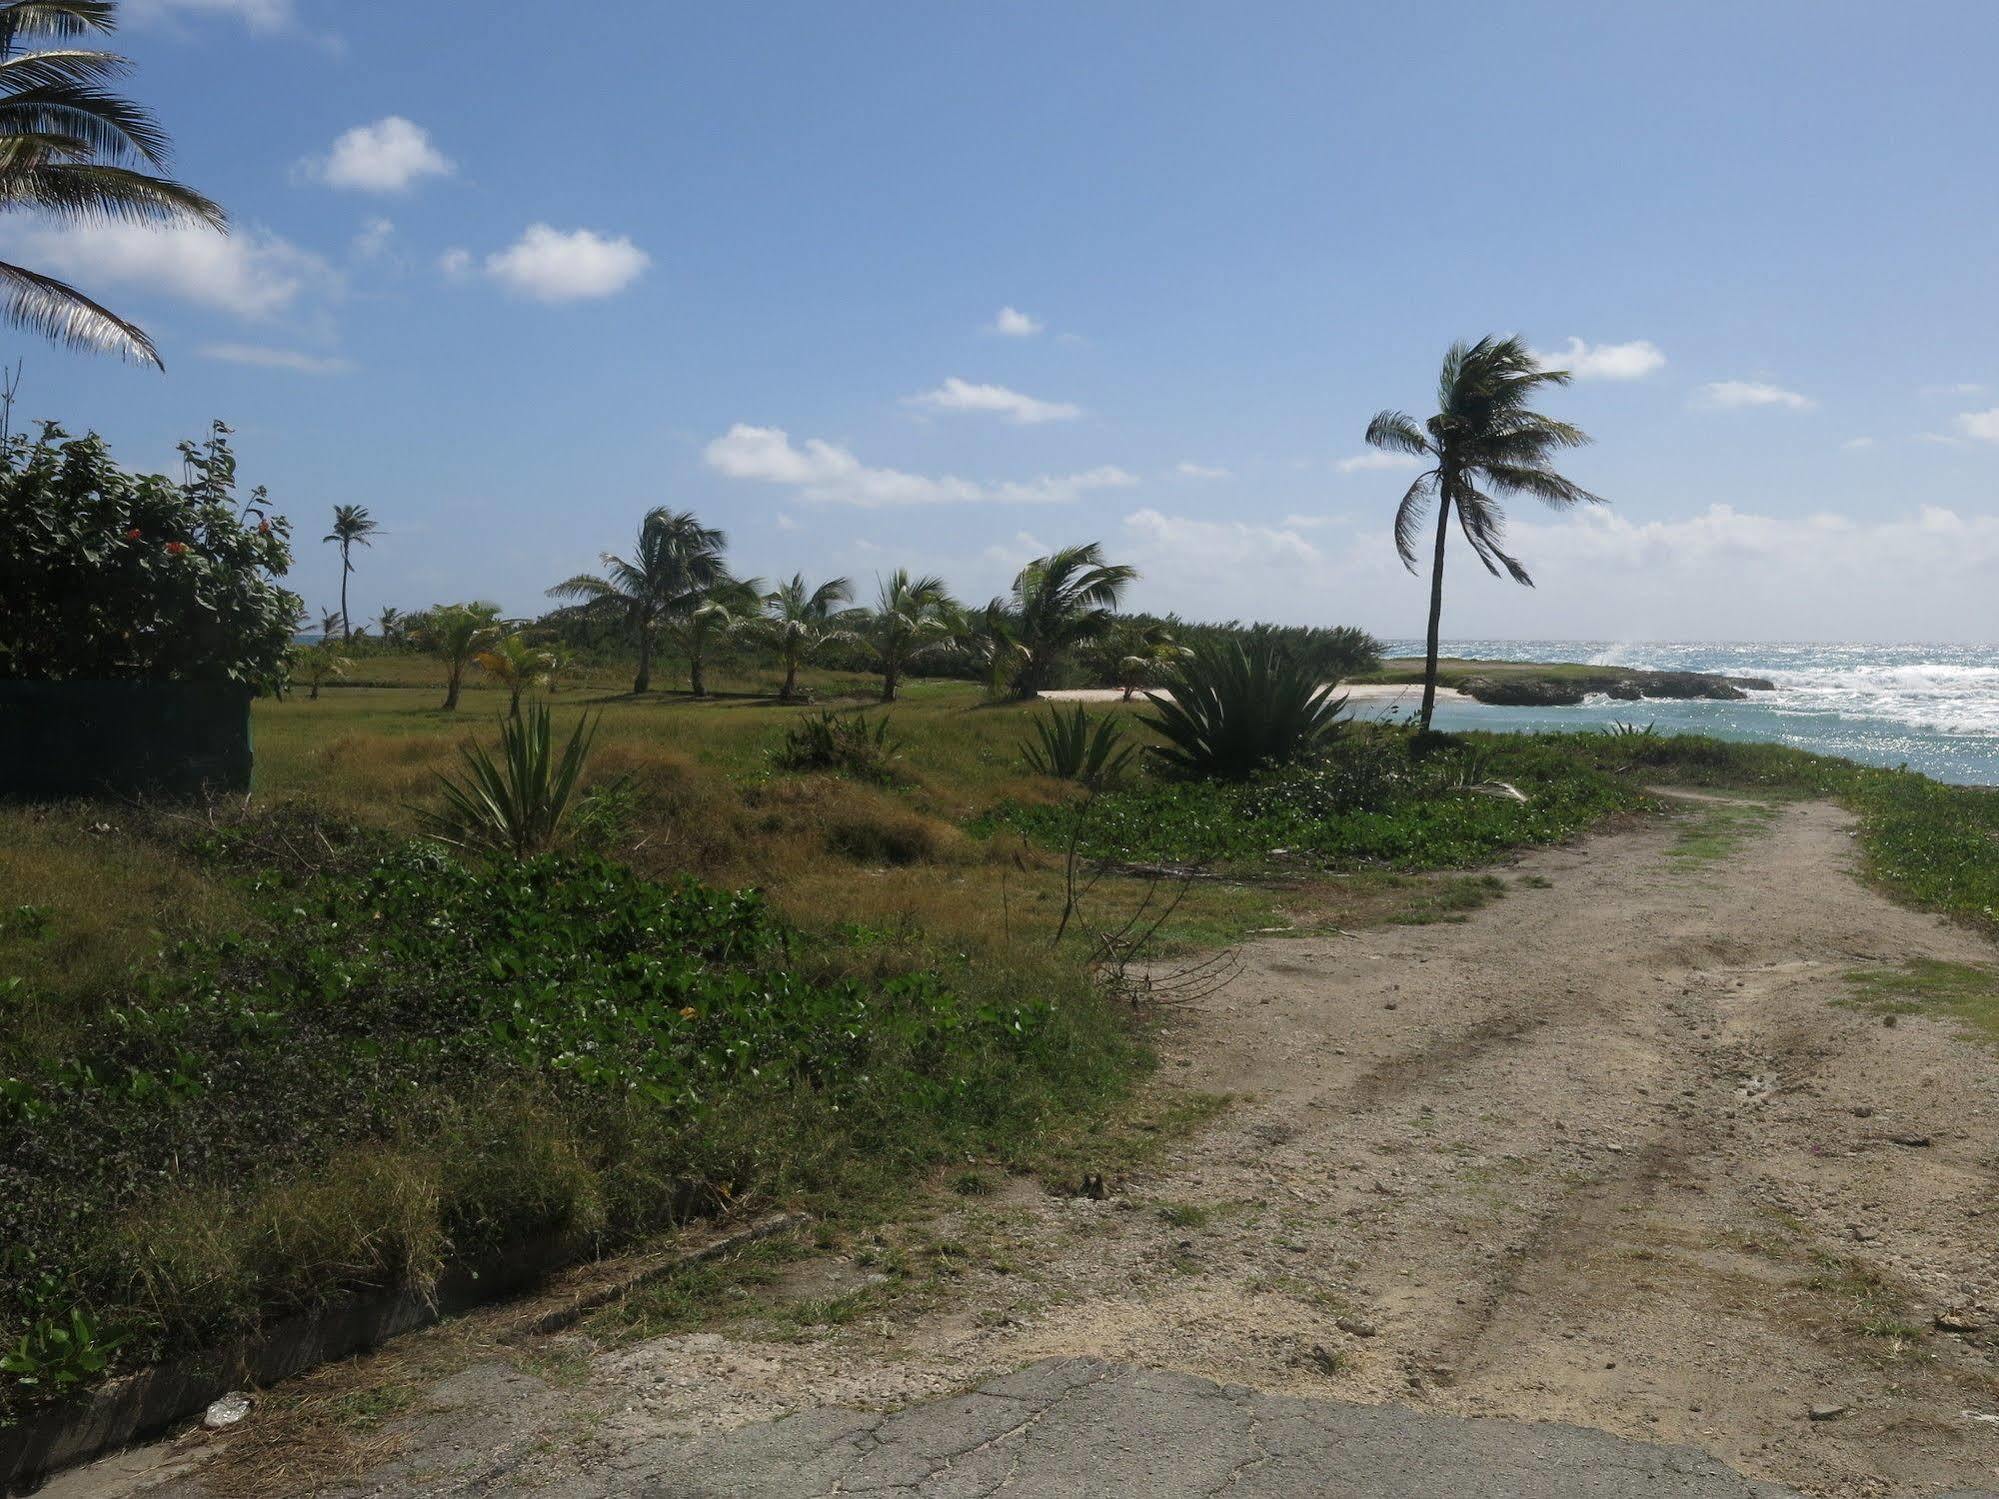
{"x": 74, "y": 151}
{"x": 1484, "y": 442}
{"x": 1060, "y": 601}
{"x": 912, "y": 617}
{"x": 799, "y": 620}
{"x": 351, "y": 528}
{"x": 676, "y": 562}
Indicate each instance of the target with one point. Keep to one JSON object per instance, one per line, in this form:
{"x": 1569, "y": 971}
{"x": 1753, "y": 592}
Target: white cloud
{"x": 1735, "y": 394}
{"x": 455, "y": 262}
{"x": 821, "y": 470}
{"x": 1187, "y": 469}
{"x": 389, "y": 156}
{"x": 554, "y": 265}
{"x": 1983, "y": 425}
{"x": 962, "y": 395}
{"x": 1857, "y": 444}
{"x": 1961, "y": 388}
{"x": 1313, "y": 522}
{"x": 1011, "y": 322}
{"x": 373, "y": 238}
{"x": 1377, "y": 458}
{"x": 1182, "y": 549}
{"x": 1632, "y": 361}
{"x": 258, "y": 15}
{"x": 1721, "y": 573}
{"x": 251, "y": 273}
{"x": 277, "y": 359}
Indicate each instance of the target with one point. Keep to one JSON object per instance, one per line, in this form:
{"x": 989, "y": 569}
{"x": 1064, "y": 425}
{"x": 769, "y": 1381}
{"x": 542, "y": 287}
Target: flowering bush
{"x": 108, "y": 575}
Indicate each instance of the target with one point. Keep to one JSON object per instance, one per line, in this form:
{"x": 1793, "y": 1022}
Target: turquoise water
{"x": 1933, "y": 708}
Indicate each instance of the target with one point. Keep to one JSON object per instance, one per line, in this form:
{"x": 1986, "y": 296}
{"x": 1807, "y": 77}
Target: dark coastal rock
{"x": 1686, "y": 684}
{"x": 1626, "y": 684}
{"x": 1524, "y": 692}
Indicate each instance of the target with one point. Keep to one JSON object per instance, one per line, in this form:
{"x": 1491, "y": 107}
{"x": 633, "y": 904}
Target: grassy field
{"x": 255, "y": 1054}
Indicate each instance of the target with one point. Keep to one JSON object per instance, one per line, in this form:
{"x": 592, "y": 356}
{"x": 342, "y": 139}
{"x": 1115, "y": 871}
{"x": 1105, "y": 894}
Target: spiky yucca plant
{"x": 514, "y": 805}
{"x": 1073, "y": 747}
{"x": 1241, "y": 707}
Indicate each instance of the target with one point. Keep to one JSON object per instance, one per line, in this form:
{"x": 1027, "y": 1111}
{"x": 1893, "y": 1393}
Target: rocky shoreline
{"x": 1526, "y": 689}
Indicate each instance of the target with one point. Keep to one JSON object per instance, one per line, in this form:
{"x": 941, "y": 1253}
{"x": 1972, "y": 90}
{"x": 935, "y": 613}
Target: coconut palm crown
{"x": 1060, "y": 601}
{"x": 1486, "y": 441}
{"x": 799, "y": 619}
{"x": 676, "y": 562}
{"x": 76, "y": 153}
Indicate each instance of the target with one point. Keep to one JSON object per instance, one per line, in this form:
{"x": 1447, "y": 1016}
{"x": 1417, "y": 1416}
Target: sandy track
{"x": 1610, "y": 1152}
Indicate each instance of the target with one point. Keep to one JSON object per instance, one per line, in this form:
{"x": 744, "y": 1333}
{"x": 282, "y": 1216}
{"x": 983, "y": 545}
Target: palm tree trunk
{"x": 790, "y": 688}
{"x": 313, "y": 696}
{"x": 696, "y": 678}
{"x": 451, "y": 688}
{"x": 891, "y": 680}
{"x": 346, "y": 624}
{"x": 1446, "y": 493}
{"x": 644, "y": 679}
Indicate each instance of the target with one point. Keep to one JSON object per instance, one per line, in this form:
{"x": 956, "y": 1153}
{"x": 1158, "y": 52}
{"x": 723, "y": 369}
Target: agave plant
{"x": 1072, "y": 747}
{"x": 514, "y": 805}
{"x": 1241, "y": 707}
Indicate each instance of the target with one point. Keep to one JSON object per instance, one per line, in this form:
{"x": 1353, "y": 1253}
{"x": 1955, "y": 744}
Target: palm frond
{"x": 61, "y": 313}
{"x": 1396, "y": 432}
{"x": 1409, "y": 516}
{"x": 91, "y": 191}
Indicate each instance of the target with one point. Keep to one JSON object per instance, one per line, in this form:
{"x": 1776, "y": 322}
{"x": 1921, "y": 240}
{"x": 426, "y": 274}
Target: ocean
{"x": 1933, "y": 708}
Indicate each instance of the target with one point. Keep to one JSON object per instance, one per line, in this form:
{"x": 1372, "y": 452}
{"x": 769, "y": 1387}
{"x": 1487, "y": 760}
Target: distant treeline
{"x": 1335, "y": 652}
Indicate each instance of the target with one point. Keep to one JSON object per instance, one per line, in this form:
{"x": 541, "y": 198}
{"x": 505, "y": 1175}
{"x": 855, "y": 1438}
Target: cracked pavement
{"x": 1086, "y": 1426}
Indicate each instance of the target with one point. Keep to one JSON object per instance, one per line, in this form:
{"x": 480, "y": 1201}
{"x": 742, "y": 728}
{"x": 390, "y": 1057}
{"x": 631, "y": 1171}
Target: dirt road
{"x": 1617, "y": 1151}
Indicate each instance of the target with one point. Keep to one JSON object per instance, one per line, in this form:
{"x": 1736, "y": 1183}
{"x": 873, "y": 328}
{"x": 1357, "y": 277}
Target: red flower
{"x": 263, "y": 528}
{"x": 133, "y": 534}
{"x": 176, "y": 548}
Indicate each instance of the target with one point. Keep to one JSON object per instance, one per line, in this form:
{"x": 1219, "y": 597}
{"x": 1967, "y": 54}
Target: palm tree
{"x": 677, "y": 560}
{"x": 1485, "y": 441}
{"x": 799, "y": 620}
{"x": 315, "y": 663}
{"x": 1145, "y": 651}
{"x": 351, "y": 528}
{"x": 1060, "y": 601}
{"x": 988, "y": 638}
{"x": 392, "y": 622}
{"x": 515, "y": 665}
{"x": 329, "y": 621}
{"x": 456, "y": 633}
{"x": 71, "y": 149}
{"x": 719, "y": 611}
{"x": 912, "y": 617}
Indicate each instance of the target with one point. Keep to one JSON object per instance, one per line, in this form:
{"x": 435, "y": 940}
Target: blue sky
{"x": 509, "y": 284}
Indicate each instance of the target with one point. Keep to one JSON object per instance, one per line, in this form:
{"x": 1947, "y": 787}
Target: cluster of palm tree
{"x": 675, "y": 587}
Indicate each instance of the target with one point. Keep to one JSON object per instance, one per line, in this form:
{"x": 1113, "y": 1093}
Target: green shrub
{"x": 114, "y": 576}
{"x": 1070, "y": 747}
{"x": 1240, "y": 708}
{"x": 844, "y": 743}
